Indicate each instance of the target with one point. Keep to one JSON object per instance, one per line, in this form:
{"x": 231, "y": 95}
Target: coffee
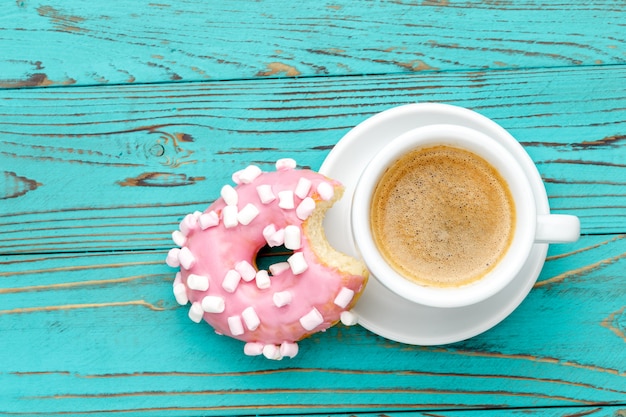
{"x": 442, "y": 216}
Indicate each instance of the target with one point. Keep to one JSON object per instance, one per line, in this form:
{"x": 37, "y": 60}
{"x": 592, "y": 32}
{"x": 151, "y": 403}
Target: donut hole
{"x": 268, "y": 256}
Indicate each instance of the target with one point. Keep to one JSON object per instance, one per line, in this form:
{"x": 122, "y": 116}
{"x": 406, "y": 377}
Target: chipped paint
{"x": 61, "y": 21}
{"x": 159, "y": 179}
{"x": 578, "y": 272}
{"x": 13, "y": 185}
{"x": 279, "y": 68}
{"x": 616, "y": 322}
{"x": 416, "y": 65}
{"x": 24, "y": 310}
{"x": 34, "y": 80}
{"x": 169, "y": 149}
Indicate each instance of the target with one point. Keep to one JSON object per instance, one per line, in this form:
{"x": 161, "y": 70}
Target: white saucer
{"x": 382, "y": 311}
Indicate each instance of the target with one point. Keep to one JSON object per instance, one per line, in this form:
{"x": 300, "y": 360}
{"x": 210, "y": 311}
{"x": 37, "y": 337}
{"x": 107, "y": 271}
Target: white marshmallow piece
{"x": 262, "y": 280}
{"x": 180, "y": 293}
{"x": 250, "y": 318}
{"x": 305, "y": 208}
{"x": 172, "y": 258}
{"x": 288, "y": 349}
{"x": 297, "y": 263}
{"x": 197, "y": 214}
{"x": 253, "y": 349}
{"x": 186, "y": 258}
{"x": 266, "y": 195}
{"x": 293, "y": 239}
{"x": 282, "y": 298}
{"x": 231, "y": 281}
{"x": 303, "y": 188}
{"x": 213, "y": 304}
{"x": 235, "y": 325}
{"x": 210, "y": 219}
{"x": 198, "y": 282}
{"x": 344, "y": 297}
{"x": 229, "y": 194}
{"x": 235, "y": 176}
{"x": 348, "y": 318}
{"x": 179, "y": 238}
{"x": 249, "y": 174}
{"x": 268, "y": 231}
{"x": 285, "y": 200}
{"x": 247, "y": 214}
{"x": 230, "y": 218}
{"x": 196, "y": 312}
{"x": 188, "y": 223}
{"x": 325, "y": 190}
{"x": 272, "y": 236}
{"x": 247, "y": 271}
{"x": 277, "y": 238}
{"x": 311, "y": 320}
{"x": 279, "y": 268}
{"x": 285, "y": 164}
{"x": 272, "y": 352}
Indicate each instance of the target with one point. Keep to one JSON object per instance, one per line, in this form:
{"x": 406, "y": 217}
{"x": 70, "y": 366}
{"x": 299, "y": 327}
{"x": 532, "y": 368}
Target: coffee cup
{"x": 445, "y": 216}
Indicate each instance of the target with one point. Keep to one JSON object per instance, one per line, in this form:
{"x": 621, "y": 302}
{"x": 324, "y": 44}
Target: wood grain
{"x": 563, "y": 347}
{"x": 92, "y": 169}
{"x": 152, "y": 42}
{"x": 118, "y": 118}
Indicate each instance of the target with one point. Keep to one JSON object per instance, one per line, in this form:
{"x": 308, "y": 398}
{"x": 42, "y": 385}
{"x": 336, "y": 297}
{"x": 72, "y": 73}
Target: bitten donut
{"x": 270, "y": 309}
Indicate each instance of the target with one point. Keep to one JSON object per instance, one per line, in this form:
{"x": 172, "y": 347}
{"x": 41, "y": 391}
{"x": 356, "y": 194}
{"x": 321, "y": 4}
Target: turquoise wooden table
{"x": 118, "y": 118}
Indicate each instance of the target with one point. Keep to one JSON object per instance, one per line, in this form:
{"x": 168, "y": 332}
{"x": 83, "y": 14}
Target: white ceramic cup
{"x": 529, "y": 228}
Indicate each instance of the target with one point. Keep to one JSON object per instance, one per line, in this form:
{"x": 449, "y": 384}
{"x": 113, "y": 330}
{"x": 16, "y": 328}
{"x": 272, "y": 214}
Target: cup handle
{"x": 557, "y": 228}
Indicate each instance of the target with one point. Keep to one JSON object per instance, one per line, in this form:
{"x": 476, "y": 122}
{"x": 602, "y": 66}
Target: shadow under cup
{"x": 523, "y": 227}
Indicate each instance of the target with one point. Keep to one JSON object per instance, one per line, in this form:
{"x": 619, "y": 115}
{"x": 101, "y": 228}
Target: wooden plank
{"x": 607, "y": 411}
{"x": 600, "y": 411}
{"x": 79, "y": 43}
{"x": 87, "y": 333}
{"x": 117, "y": 168}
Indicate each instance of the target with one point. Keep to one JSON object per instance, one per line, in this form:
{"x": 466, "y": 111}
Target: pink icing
{"x": 217, "y": 249}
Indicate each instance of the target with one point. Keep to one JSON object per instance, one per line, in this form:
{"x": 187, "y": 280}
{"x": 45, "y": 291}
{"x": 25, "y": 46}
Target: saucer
{"x": 382, "y": 311}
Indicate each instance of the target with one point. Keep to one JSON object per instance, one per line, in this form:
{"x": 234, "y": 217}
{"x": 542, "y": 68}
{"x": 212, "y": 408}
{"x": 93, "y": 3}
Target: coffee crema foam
{"x": 442, "y": 216}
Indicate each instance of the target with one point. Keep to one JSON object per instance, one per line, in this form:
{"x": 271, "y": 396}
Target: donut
{"x": 271, "y": 310}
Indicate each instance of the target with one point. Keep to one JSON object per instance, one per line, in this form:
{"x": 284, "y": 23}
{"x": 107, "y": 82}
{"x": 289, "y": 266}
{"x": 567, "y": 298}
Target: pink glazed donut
{"x": 269, "y": 309}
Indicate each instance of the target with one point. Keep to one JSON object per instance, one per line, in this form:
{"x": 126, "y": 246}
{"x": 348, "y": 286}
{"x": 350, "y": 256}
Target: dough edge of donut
{"x": 327, "y": 254}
